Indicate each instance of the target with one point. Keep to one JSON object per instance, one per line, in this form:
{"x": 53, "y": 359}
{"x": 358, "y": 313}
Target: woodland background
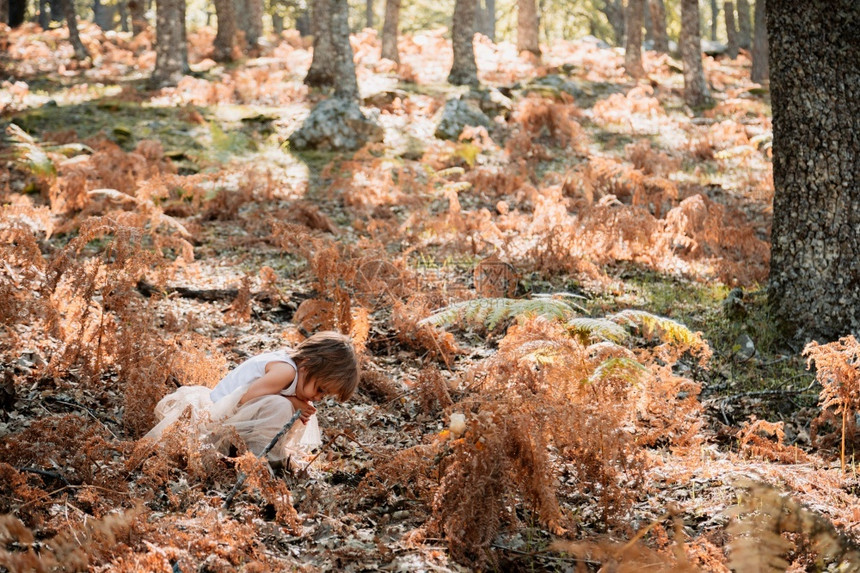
{"x": 553, "y": 265}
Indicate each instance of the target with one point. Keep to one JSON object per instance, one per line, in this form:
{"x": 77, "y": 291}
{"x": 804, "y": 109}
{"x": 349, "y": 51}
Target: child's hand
{"x": 307, "y": 408}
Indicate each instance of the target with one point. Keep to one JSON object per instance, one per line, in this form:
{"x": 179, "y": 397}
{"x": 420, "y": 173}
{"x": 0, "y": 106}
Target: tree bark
{"x": 347, "y": 84}
{"x": 744, "y": 27}
{"x": 759, "y": 72}
{"x": 171, "y": 49}
{"x": 658, "y": 21}
{"x": 368, "y": 12}
{"x": 390, "y": 30}
{"x": 731, "y": 30}
{"x": 464, "y": 70}
{"x": 814, "y": 282}
{"x": 489, "y": 11}
{"x": 253, "y": 22}
{"x": 16, "y": 11}
{"x": 321, "y": 72}
{"x": 225, "y": 39}
{"x": 633, "y": 43}
{"x": 81, "y": 52}
{"x": 715, "y": 14}
{"x": 695, "y": 89}
{"x": 527, "y": 27}
{"x": 44, "y": 13}
{"x": 137, "y": 9}
{"x": 4, "y": 12}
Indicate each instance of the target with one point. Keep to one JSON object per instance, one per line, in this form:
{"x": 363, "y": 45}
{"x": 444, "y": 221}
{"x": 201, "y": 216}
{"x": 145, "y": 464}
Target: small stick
{"x": 243, "y": 476}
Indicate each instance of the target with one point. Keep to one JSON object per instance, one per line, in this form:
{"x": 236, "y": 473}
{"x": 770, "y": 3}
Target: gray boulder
{"x": 457, "y": 114}
{"x": 713, "y": 48}
{"x": 492, "y": 102}
{"x": 336, "y": 124}
{"x": 553, "y": 86}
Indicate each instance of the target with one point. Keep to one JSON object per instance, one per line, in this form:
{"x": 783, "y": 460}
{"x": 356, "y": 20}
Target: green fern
{"x": 586, "y": 329}
{"x": 33, "y": 157}
{"x": 490, "y": 312}
{"x": 619, "y": 367}
{"x": 666, "y": 329}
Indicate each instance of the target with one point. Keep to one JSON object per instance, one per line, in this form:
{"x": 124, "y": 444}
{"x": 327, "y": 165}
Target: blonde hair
{"x": 330, "y": 358}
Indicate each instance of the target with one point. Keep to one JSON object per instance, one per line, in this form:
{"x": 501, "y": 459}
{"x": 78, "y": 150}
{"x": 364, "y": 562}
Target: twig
{"x": 243, "y": 476}
{"x": 88, "y": 411}
{"x": 46, "y": 473}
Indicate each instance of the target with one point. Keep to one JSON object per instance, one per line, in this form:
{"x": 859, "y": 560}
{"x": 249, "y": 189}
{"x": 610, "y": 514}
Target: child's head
{"x": 329, "y": 358}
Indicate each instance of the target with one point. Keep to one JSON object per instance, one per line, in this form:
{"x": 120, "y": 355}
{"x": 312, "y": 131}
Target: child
{"x": 263, "y": 393}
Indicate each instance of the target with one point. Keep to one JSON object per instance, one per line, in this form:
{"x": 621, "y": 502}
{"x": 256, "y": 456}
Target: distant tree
{"x": 390, "y": 30}
{"x": 633, "y": 43}
{"x": 485, "y": 18}
{"x": 16, "y": 11}
{"x": 137, "y": 9}
{"x": 744, "y": 27}
{"x": 171, "y": 48}
{"x": 695, "y": 89}
{"x": 368, "y": 12}
{"x": 715, "y": 15}
{"x": 225, "y": 38}
{"x": 527, "y": 27}
{"x": 254, "y": 29}
{"x": 44, "y": 13}
{"x": 103, "y": 16}
{"x": 814, "y": 283}
{"x": 731, "y": 30}
{"x": 122, "y": 10}
{"x": 81, "y": 52}
{"x": 759, "y": 72}
{"x": 464, "y": 70}
{"x": 614, "y": 12}
{"x": 321, "y": 72}
{"x": 658, "y": 21}
{"x": 4, "y": 11}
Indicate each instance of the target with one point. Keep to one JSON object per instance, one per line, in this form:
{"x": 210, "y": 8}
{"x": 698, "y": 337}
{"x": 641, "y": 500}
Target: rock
{"x": 336, "y": 124}
{"x": 553, "y": 86}
{"x": 457, "y": 114}
{"x": 492, "y": 102}
{"x": 744, "y": 348}
{"x": 384, "y": 98}
{"x": 596, "y": 41}
{"x": 712, "y": 48}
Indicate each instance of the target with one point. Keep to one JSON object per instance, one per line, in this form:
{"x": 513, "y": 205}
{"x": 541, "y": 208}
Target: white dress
{"x": 215, "y": 411}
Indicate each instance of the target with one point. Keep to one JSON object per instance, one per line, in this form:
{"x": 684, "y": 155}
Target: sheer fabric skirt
{"x": 256, "y": 421}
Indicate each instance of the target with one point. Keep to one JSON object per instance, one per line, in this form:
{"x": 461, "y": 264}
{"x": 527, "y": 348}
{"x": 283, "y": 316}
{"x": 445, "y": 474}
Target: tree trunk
{"x": 814, "y": 281}
{"x": 649, "y": 27}
{"x": 633, "y": 43}
{"x": 390, "y": 30}
{"x": 744, "y": 28}
{"x": 368, "y": 12}
{"x": 347, "y": 84}
{"x": 16, "y": 11}
{"x": 81, "y": 52}
{"x": 527, "y": 27}
{"x": 225, "y": 39}
{"x": 102, "y": 16}
{"x": 489, "y": 11}
{"x": 731, "y": 31}
{"x": 277, "y": 24}
{"x": 464, "y": 70}
{"x": 321, "y": 72}
{"x": 137, "y": 9}
{"x": 695, "y": 89}
{"x": 253, "y": 22}
{"x": 171, "y": 49}
{"x": 715, "y": 14}
{"x": 759, "y": 70}
{"x": 614, "y": 11}
{"x": 304, "y": 23}
{"x": 122, "y": 8}
{"x": 44, "y": 13}
{"x": 658, "y": 20}
{"x": 4, "y": 12}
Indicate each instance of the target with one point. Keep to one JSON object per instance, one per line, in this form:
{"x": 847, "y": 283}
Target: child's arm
{"x": 278, "y": 376}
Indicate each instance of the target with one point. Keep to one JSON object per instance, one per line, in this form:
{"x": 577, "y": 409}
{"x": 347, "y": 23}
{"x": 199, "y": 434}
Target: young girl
{"x": 262, "y": 394}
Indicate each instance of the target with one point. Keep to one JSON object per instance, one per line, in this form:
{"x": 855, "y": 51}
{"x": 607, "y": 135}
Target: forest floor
{"x": 186, "y": 236}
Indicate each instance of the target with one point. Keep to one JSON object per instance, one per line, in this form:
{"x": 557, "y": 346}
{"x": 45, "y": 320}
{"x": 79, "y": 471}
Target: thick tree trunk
{"x": 81, "y": 52}
{"x": 759, "y": 70}
{"x": 527, "y": 27}
{"x": 368, "y": 13}
{"x": 695, "y": 89}
{"x": 715, "y": 15}
{"x": 171, "y": 49}
{"x": 137, "y": 9}
{"x": 322, "y": 73}
{"x": 744, "y": 28}
{"x": 102, "y": 16}
{"x": 390, "y": 30}
{"x": 731, "y": 30}
{"x": 347, "y": 84}
{"x": 633, "y": 43}
{"x": 658, "y": 21}
{"x": 464, "y": 70}
{"x": 815, "y": 88}
{"x": 225, "y": 39}
{"x": 16, "y": 11}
